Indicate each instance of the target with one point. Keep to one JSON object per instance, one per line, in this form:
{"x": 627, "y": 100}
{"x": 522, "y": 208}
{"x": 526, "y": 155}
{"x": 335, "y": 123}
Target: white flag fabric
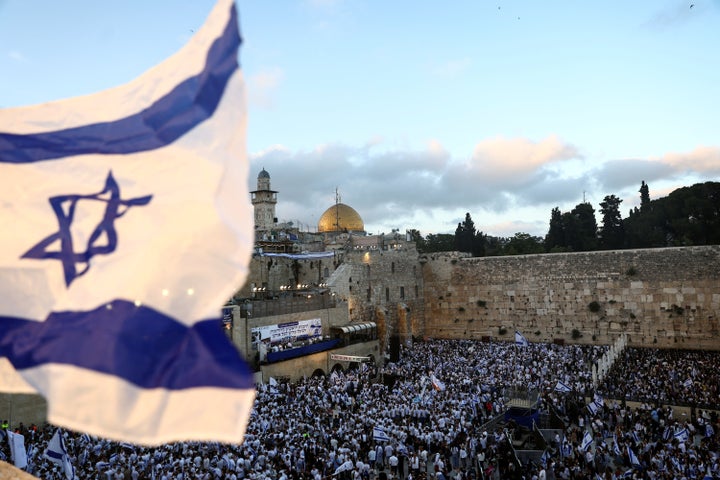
{"x": 586, "y": 441}
{"x": 562, "y": 387}
{"x": 436, "y": 383}
{"x": 379, "y": 435}
{"x": 634, "y": 461}
{"x": 128, "y": 226}
{"x": 520, "y": 339}
{"x": 18, "y": 454}
{"x": 57, "y": 453}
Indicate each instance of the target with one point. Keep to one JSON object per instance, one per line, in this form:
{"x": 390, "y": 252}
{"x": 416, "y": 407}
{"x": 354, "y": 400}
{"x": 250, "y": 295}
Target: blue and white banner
{"x": 18, "y": 454}
{"x": 287, "y": 332}
{"x": 57, "y": 453}
{"x": 127, "y": 228}
{"x": 520, "y": 339}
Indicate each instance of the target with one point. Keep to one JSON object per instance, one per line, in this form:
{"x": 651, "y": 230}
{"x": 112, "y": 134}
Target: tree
{"x": 580, "y": 228}
{"x": 441, "y": 242}
{"x": 478, "y": 245}
{"x": 612, "y": 233}
{"x": 465, "y": 235}
{"x": 420, "y": 242}
{"x": 523, "y": 244}
{"x": 644, "y": 197}
{"x": 555, "y": 237}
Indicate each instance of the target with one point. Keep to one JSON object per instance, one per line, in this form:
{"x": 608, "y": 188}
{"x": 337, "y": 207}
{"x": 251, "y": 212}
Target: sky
{"x": 419, "y": 112}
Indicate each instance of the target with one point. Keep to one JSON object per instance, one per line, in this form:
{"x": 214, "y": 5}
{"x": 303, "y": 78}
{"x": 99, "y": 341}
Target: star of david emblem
{"x": 102, "y": 241}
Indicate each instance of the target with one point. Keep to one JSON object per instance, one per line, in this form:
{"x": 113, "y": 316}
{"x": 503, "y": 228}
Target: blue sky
{"x": 419, "y": 112}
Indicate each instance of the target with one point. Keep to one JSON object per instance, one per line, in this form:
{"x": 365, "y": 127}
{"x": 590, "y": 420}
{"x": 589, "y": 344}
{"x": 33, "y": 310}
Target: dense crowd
{"x": 433, "y": 415}
{"x": 675, "y": 377}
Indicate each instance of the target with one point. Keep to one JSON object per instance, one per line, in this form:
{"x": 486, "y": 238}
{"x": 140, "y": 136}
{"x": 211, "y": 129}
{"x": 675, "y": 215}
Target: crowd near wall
{"x": 668, "y": 298}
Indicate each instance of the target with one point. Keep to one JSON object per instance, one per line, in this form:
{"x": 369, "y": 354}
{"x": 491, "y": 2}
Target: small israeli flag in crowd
{"x": 520, "y": 339}
{"x": 379, "y": 435}
{"x": 634, "y": 461}
{"x": 129, "y": 225}
{"x": 562, "y": 387}
{"x": 57, "y": 453}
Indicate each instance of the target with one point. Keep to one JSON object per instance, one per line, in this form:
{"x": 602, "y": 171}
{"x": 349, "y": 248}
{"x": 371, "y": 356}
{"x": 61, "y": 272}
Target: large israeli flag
{"x": 126, "y": 225}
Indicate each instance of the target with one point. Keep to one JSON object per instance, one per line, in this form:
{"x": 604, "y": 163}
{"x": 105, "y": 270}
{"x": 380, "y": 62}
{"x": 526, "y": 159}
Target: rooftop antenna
{"x": 337, "y": 209}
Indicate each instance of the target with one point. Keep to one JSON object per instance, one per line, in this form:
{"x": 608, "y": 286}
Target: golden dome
{"x": 340, "y": 218}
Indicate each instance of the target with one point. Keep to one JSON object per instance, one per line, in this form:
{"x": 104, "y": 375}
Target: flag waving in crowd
{"x": 520, "y": 339}
{"x": 130, "y": 230}
{"x": 57, "y": 453}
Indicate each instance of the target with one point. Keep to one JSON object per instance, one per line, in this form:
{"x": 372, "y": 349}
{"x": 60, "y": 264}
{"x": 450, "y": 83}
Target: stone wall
{"x": 661, "y": 297}
{"x": 385, "y": 287}
{"x": 22, "y": 407}
{"x": 274, "y": 272}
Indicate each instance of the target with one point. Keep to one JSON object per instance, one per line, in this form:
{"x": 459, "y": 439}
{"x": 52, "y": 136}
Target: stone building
{"x": 659, "y": 297}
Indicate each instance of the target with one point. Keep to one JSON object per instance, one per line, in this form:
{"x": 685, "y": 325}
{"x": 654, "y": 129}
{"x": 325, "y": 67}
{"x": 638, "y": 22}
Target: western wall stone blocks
{"x": 557, "y": 289}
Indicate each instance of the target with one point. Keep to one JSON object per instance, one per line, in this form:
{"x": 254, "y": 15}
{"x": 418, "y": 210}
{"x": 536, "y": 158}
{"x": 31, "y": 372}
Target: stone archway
{"x": 318, "y": 373}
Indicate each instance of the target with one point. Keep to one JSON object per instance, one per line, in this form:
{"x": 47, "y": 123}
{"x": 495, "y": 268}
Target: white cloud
{"x": 516, "y": 160}
{"x": 507, "y": 185}
{"x": 700, "y": 160}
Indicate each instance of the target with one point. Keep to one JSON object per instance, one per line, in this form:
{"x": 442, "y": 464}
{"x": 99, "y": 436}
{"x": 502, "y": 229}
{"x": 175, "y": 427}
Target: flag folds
{"x": 520, "y": 339}
{"x": 587, "y": 440}
{"x": 57, "y": 453}
{"x": 562, "y": 387}
{"x": 634, "y": 461}
{"x": 18, "y": 454}
{"x": 131, "y": 227}
{"x": 379, "y": 435}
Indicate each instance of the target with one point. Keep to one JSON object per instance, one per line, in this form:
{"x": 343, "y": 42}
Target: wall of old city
{"x": 274, "y": 272}
{"x": 660, "y": 297}
{"x": 385, "y": 287}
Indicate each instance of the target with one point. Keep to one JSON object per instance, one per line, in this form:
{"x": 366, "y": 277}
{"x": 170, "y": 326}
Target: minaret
{"x": 264, "y": 200}
{"x": 337, "y": 210}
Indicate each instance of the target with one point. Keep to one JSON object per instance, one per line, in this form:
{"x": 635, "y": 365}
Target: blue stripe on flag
{"x": 170, "y": 117}
{"x": 146, "y": 353}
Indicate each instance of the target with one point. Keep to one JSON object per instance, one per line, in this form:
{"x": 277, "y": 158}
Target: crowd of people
{"x": 675, "y": 377}
{"x": 436, "y": 414}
